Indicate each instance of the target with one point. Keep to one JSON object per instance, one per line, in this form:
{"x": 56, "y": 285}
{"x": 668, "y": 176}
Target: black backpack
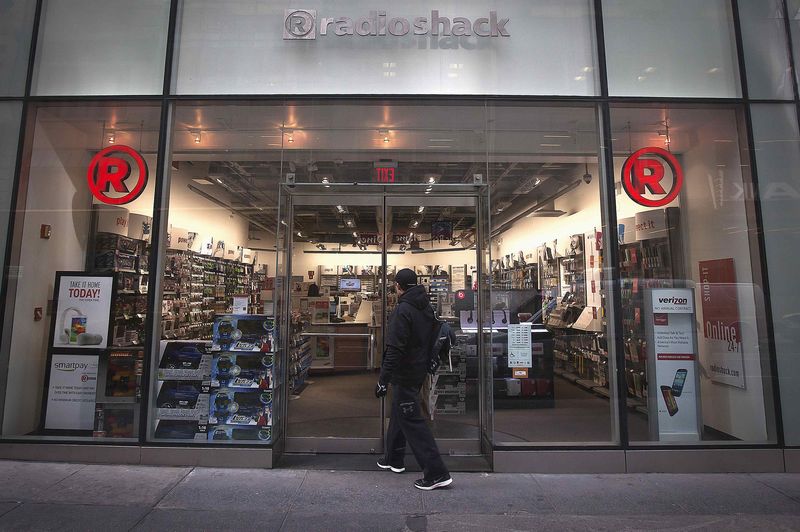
{"x": 443, "y": 340}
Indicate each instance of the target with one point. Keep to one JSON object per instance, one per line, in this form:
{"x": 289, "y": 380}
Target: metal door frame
{"x": 386, "y": 196}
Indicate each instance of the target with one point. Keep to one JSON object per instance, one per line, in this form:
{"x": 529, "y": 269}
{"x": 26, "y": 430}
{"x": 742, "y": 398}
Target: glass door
{"x": 436, "y": 236}
{"x": 335, "y": 320}
{"x": 342, "y": 255}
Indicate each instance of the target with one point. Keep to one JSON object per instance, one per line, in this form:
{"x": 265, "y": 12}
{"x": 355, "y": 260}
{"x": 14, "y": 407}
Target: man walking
{"x": 409, "y": 338}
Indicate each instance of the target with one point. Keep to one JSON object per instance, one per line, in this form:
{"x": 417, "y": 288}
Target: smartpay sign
{"x": 303, "y": 24}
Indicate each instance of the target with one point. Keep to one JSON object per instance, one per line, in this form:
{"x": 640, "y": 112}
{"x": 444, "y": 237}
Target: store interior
{"x": 544, "y": 262}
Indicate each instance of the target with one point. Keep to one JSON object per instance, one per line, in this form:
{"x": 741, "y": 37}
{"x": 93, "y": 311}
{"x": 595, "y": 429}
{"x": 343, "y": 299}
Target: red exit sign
{"x": 383, "y": 175}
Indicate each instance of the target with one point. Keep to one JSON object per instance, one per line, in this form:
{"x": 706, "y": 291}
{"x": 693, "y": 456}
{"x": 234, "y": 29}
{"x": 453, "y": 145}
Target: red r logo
{"x": 642, "y": 176}
{"x": 109, "y": 172}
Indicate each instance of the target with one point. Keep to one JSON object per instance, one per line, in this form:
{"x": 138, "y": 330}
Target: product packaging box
{"x": 184, "y": 360}
{"x": 240, "y": 407}
{"x": 114, "y": 421}
{"x": 244, "y": 333}
{"x": 182, "y": 400}
{"x": 239, "y": 433}
{"x": 170, "y": 429}
{"x": 243, "y": 370}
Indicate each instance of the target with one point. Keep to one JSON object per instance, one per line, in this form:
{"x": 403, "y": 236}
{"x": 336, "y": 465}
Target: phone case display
{"x": 532, "y": 391}
{"x": 573, "y": 270}
{"x": 514, "y": 272}
{"x": 650, "y": 260}
{"x": 198, "y": 287}
{"x": 301, "y": 355}
{"x": 549, "y": 274}
{"x": 129, "y": 258}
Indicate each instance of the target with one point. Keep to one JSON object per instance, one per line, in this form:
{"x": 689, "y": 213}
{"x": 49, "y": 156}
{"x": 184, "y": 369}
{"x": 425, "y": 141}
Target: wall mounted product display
{"x": 198, "y": 287}
{"x": 220, "y": 390}
{"x": 650, "y": 257}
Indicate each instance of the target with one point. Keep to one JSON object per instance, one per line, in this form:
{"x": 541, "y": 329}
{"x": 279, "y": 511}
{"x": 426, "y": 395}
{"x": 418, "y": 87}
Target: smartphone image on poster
{"x": 678, "y": 382}
{"x": 669, "y": 400}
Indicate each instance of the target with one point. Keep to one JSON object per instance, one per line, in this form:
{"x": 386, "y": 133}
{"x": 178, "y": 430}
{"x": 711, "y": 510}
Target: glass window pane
{"x": 78, "y": 304}
{"x": 794, "y": 26}
{"x": 765, "y": 52}
{"x": 696, "y": 354}
{"x": 10, "y": 114}
{"x": 16, "y": 26}
{"x": 116, "y": 47}
{"x": 239, "y": 47}
{"x": 777, "y": 144}
{"x": 219, "y": 259}
{"x": 547, "y": 234}
{"x": 680, "y": 48}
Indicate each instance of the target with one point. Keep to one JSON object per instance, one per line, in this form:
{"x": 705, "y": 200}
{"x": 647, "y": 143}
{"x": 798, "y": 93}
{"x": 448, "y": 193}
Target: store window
{"x": 697, "y": 362}
{"x": 794, "y": 27}
{"x": 766, "y": 54}
{"x": 777, "y": 144}
{"x": 553, "y": 376}
{"x": 680, "y": 48}
{"x": 113, "y": 47}
{"x": 77, "y": 302}
{"x": 216, "y": 369}
{"x": 10, "y": 114}
{"x": 255, "y": 47}
{"x": 16, "y": 27}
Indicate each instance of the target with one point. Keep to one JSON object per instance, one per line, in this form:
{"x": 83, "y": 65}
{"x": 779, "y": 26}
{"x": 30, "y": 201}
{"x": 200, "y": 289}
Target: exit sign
{"x": 383, "y": 175}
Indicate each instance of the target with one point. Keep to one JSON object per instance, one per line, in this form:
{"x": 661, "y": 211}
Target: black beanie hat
{"x": 406, "y": 278}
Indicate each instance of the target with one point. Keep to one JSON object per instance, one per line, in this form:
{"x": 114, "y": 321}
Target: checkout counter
{"x": 345, "y": 335}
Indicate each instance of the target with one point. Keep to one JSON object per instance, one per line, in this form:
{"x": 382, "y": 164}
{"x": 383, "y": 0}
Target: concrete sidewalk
{"x": 57, "y": 496}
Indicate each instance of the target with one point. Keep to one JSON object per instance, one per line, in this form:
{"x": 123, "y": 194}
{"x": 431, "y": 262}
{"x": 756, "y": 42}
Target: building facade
{"x": 206, "y": 203}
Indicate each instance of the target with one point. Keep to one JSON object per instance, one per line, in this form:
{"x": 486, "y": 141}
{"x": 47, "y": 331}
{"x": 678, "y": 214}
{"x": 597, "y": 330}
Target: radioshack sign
{"x": 117, "y": 175}
{"x": 303, "y": 24}
{"x": 652, "y": 177}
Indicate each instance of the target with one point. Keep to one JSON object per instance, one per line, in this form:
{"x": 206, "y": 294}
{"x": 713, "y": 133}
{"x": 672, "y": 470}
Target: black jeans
{"x": 406, "y": 424}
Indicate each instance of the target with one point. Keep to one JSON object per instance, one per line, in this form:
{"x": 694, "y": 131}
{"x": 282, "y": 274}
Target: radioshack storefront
{"x": 208, "y": 205}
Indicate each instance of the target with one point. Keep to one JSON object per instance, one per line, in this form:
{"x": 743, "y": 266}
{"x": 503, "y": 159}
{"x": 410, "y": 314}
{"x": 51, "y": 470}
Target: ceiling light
{"x": 546, "y": 145}
{"x": 289, "y": 135}
{"x": 283, "y": 222}
{"x": 410, "y": 236}
{"x": 300, "y": 234}
{"x": 326, "y": 182}
{"x": 440, "y": 140}
{"x": 421, "y": 209}
{"x": 111, "y": 137}
{"x": 219, "y": 181}
{"x": 557, "y": 136}
{"x": 197, "y": 137}
{"x": 341, "y": 209}
{"x": 355, "y": 235}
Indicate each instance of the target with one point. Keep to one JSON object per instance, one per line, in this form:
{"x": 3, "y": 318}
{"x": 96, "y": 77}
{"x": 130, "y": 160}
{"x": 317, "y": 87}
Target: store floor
{"x": 344, "y": 406}
{"x": 63, "y": 496}
{"x": 578, "y": 416}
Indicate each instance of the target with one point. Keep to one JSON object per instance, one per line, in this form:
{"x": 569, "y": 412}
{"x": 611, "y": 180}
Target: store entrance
{"x": 343, "y": 251}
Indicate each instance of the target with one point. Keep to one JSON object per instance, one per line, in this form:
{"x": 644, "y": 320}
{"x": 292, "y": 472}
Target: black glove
{"x": 380, "y": 390}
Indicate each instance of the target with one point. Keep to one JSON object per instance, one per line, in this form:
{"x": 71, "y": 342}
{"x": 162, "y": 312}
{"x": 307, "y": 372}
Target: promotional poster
{"x": 72, "y": 392}
{"x": 722, "y": 328}
{"x": 673, "y": 376}
{"x": 82, "y": 311}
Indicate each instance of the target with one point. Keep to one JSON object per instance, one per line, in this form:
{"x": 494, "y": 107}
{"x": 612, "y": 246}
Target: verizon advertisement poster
{"x": 82, "y": 311}
{"x": 721, "y": 322}
{"x": 72, "y": 391}
{"x": 673, "y": 376}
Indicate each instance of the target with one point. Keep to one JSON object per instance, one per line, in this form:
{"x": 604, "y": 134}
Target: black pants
{"x": 406, "y": 424}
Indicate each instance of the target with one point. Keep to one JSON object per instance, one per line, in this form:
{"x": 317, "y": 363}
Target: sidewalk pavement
{"x": 59, "y": 496}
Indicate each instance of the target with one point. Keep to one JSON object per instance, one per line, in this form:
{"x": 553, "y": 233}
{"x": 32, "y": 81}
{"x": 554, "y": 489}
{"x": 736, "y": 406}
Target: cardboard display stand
{"x": 673, "y": 384}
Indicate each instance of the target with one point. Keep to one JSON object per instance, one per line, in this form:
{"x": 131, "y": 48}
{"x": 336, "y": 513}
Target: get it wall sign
{"x": 117, "y": 175}
{"x": 652, "y": 177}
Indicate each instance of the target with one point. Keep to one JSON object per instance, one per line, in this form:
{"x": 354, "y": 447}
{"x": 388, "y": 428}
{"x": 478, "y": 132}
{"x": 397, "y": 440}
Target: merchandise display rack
{"x": 222, "y": 390}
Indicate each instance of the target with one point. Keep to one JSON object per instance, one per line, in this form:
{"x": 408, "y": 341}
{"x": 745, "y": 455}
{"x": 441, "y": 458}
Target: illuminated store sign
{"x": 644, "y": 176}
{"x": 112, "y": 172}
{"x": 303, "y": 24}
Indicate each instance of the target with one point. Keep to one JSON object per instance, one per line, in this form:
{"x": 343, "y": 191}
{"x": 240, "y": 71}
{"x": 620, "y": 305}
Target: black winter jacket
{"x": 408, "y": 339}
